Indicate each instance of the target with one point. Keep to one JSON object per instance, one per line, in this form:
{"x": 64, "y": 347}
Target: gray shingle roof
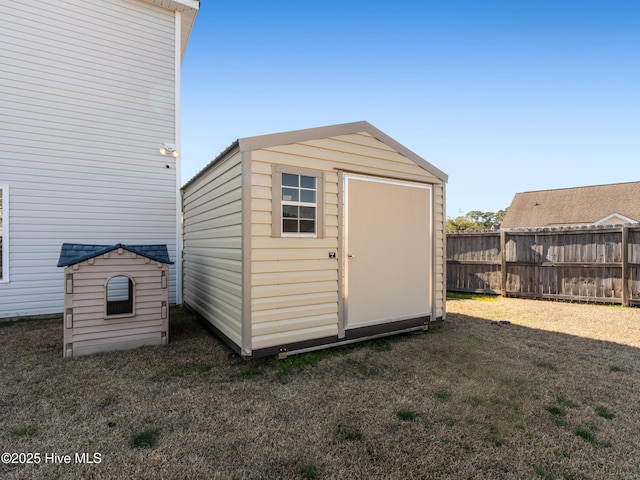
{"x": 573, "y": 206}
{"x": 72, "y": 253}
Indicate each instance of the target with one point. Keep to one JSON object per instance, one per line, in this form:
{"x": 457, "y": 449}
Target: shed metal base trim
{"x": 352, "y": 336}
{"x": 388, "y": 327}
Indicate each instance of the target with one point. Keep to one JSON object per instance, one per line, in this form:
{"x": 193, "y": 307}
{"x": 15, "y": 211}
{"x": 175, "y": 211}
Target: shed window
{"x": 120, "y": 296}
{"x": 4, "y": 237}
{"x": 297, "y": 208}
{"x": 298, "y": 204}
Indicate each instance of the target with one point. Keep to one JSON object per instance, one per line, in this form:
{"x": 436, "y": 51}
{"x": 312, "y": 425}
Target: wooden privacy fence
{"x": 593, "y": 264}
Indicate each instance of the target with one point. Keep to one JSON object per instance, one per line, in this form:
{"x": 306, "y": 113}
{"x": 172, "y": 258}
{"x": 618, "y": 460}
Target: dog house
{"x": 115, "y": 297}
{"x": 312, "y": 238}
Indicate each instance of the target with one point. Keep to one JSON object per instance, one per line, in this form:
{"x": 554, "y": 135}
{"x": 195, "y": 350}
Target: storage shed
{"x": 311, "y": 238}
{"x": 115, "y": 297}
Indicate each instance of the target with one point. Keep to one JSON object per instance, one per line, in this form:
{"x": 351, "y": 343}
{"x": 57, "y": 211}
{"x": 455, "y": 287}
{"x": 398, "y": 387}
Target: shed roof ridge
{"x": 296, "y": 136}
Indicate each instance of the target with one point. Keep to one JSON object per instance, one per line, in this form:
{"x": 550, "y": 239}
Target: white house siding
{"x": 212, "y": 229}
{"x": 294, "y": 283}
{"x": 88, "y": 96}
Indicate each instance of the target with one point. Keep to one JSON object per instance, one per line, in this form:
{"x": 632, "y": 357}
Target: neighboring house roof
{"x": 285, "y": 138}
{"x": 188, "y": 10}
{"x": 575, "y": 206}
{"x": 72, "y": 253}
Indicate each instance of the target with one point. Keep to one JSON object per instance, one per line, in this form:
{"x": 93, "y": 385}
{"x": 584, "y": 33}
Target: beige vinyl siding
{"x": 212, "y": 205}
{"x": 294, "y": 283}
{"x": 88, "y": 96}
{"x": 91, "y": 330}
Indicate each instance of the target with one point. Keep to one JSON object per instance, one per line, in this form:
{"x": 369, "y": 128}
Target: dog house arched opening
{"x": 119, "y": 293}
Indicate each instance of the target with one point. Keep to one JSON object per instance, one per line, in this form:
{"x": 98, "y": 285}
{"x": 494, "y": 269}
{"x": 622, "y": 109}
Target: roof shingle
{"x": 573, "y": 206}
{"x": 72, "y": 253}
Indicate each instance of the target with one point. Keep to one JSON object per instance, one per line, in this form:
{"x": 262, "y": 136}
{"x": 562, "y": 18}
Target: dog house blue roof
{"x": 73, "y": 253}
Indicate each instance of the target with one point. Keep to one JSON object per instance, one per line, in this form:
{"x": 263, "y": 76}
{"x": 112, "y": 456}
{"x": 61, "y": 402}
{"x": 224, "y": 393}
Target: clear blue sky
{"x": 504, "y": 96}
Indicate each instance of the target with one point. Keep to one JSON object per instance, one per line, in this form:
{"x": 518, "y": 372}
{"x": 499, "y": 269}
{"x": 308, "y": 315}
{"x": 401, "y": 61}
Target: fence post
{"x": 503, "y": 262}
{"x": 625, "y": 264}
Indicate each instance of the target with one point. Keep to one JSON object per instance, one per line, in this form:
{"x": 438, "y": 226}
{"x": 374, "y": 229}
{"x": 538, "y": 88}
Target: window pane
{"x": 290, "y": 194}
{"x": 289, "y": 226}
{"x": 308, "y": 212}
{"x": 289, "y": 180}
{"x": 298, "y": 211}
{"x": 308, "y": 182}
{"x": 307, "y": 226}
{"x": 290, "y": 211}
{"x": 308, "y": 196}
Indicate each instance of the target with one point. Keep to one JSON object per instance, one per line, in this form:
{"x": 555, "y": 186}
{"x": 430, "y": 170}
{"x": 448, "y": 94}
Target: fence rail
{"x": 595, "y": 264}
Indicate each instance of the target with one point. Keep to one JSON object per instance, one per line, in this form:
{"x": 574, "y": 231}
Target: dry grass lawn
{"x": 552, "y": 395}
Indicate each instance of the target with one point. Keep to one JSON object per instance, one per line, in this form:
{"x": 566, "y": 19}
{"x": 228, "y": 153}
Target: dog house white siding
{"x": 292, "y": 288}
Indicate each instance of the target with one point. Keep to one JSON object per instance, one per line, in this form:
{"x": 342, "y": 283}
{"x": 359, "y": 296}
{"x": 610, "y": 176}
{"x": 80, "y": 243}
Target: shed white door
{"x": 388, "y": 246}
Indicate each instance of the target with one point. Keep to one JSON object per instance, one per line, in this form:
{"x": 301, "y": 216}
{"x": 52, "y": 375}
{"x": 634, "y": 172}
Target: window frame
{"x": 4, "y": 234}
{"x": 277, "y": 202}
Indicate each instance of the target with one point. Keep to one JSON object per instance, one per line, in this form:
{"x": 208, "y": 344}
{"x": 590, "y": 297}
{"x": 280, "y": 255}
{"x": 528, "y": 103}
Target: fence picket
{"x": 593, "y": 263}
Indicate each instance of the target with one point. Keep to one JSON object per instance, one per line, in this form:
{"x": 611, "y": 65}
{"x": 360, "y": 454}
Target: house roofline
{"x": 579, "y": 187}
{"x": 626, "y": 218}
{"x": 188, "y": 10}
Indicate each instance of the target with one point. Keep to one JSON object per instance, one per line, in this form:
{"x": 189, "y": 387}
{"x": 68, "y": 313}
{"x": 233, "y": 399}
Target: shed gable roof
{"x": 574, "y": 206}
{"x": 305, "y": 135}
{"x": 265, "y": 141}
{"x": 72, "y": 253}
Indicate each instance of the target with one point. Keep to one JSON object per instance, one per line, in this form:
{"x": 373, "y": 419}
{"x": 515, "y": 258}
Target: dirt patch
{"x": 469, "y": 399}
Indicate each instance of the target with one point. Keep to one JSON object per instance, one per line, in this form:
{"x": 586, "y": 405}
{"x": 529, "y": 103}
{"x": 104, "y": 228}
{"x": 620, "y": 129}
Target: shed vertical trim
{"x": 434, "y": 258}
{"x": 178, "y": 176}
{"x": 245, "y": 321}
{"x": 341, "y": 254}
{"x": 444, "y": 251}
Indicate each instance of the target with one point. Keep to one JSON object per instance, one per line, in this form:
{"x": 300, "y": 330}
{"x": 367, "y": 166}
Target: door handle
{"x": 351, "y": 254}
